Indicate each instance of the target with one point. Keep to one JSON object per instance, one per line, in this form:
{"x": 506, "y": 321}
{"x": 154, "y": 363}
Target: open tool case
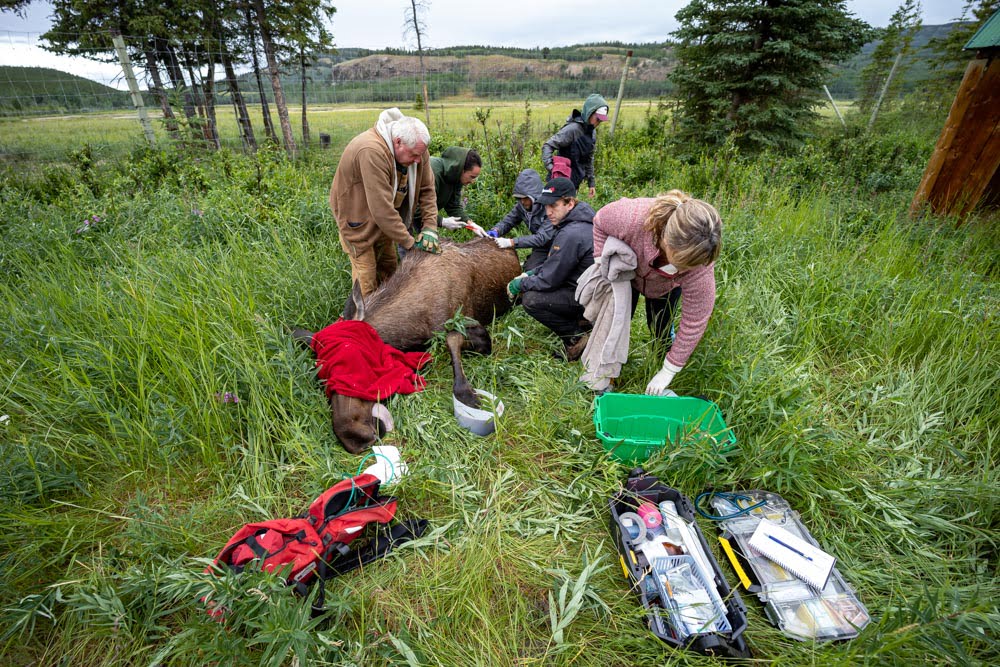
{"x": 689, "y": 603}
{"x": 798, "y": 609}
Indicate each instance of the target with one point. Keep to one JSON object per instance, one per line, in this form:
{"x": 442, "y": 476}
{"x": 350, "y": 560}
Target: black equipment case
{"x": 718, "y": 634}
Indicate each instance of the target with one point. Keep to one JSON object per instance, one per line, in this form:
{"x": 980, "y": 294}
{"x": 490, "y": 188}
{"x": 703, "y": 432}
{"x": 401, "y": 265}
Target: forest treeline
{"x": 260, "y": 52}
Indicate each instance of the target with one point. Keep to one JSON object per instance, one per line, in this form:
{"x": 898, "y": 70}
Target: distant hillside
{"x": 353, "y": 75}
{"x": 844, "y": 81}
{"x": 482, "y": 71}
{"x": 573, "y": 53}
{"x": 497, "y": 72}
{"x": 42, "y": 89}
{"x": 500, "y": 67}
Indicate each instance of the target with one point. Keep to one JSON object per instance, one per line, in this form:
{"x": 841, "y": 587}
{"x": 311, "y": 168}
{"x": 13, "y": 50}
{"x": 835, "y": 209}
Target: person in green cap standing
{"x": 575, "y": 142}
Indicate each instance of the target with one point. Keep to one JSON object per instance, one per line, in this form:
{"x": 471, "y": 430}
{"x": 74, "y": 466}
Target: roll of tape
{"x": 650, "y": 515}
{"x": 634, "y": 526}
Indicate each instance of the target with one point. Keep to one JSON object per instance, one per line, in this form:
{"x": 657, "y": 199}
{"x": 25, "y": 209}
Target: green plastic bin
{"x": 632, "y": 426}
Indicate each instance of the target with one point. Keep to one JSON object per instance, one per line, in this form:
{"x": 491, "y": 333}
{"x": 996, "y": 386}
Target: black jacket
{"x": 571, "y": 253}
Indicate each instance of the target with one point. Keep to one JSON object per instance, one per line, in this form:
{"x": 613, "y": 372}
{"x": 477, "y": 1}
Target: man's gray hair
{"x": 411, "y": 131}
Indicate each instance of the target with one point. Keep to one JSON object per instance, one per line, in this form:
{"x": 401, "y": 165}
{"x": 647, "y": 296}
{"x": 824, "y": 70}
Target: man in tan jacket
{"x": 382, "y": 177}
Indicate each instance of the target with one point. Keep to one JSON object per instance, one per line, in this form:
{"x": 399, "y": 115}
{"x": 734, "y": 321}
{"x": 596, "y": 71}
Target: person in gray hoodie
{"x": 576, "y": 141}
{"x": 528, "y": 210}
{"x": 548, "y": 293}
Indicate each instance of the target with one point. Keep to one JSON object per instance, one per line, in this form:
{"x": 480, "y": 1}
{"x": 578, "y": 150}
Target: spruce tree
{"x": 754, "y": 69}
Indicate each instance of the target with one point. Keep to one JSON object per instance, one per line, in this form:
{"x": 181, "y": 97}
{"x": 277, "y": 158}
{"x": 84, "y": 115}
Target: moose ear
{"x": 382, "y": 419}
{"x": 354, "y": 309}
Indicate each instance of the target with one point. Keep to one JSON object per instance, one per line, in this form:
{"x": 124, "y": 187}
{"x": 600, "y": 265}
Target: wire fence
{"x": 190, "y": 93}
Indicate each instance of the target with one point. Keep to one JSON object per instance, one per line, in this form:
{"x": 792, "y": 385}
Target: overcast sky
{"x": 376, "y": 24}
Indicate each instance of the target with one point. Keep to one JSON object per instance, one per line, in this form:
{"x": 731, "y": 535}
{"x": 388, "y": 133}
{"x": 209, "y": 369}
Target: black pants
{"x": 558, "y": 310}
{"x": 659, "y": 311}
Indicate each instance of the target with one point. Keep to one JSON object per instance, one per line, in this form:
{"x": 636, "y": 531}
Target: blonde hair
{"x": 691, "y": 228}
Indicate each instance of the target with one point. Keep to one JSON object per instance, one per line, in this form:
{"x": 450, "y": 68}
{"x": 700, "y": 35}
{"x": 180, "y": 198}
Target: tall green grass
{"x": 853, "y": 350}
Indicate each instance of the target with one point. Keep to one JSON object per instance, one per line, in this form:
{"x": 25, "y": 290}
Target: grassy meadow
{"x": 26, "y": 139}
{"x": 854, "y": 350}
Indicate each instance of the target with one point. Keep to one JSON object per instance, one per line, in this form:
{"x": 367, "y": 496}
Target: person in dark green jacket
{"x": 576, "y": 142}
{"x": 456, "y": 168}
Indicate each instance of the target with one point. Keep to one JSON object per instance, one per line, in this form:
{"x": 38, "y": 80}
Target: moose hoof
{"x": 468, "y": 397}
{"x": 303, "y": 337}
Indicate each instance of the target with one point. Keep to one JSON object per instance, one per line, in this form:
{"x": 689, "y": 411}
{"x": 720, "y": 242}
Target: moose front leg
{"x": 461, "y": 388}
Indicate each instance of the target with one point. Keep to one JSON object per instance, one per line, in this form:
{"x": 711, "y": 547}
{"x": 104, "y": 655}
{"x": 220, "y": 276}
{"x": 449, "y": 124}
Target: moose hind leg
{"x": 461, "y": 387}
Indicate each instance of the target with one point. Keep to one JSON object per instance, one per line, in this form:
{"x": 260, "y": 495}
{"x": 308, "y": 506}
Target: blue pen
{"x": 789, "y": 547}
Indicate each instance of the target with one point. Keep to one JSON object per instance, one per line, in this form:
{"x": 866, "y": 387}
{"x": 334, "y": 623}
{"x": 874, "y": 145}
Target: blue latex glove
{"x": 493, "y": 233}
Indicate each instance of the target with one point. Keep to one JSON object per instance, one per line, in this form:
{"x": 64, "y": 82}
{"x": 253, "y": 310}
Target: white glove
{"x": 388, "y": 466}
{"x": 452, "y": 223}
{"x": 504, "y": 243}
{"x": 476, "y": 229}
{"x": 658, "y": 385}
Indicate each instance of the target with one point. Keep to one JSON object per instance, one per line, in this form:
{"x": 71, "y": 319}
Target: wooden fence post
{"x": 834, "y": 105}
{"x": 885, "y": 87}
{"x": 133, "y": 88}
{"x": 966, "y": 159}
{"x": 621, "y": 92}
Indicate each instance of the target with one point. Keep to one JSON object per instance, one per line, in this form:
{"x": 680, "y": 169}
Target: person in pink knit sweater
{"x": 676, "y": 240}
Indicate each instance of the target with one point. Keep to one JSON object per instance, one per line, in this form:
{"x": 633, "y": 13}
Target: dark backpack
{"x": 315, "y": 546}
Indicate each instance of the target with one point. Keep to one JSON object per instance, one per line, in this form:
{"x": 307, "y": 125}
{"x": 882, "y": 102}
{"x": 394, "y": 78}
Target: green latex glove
{"x": 428, "y": 242}
{"x": 514, "y": 286}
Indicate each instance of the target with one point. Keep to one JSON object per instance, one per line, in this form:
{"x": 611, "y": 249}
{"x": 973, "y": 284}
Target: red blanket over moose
{"x": 352, "y": 360}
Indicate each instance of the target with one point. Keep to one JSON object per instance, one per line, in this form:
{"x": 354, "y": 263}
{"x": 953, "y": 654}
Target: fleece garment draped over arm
{"x": 625, "y": 219}
{"x": 352, "y": 360}
{"x": 605, "y": 292}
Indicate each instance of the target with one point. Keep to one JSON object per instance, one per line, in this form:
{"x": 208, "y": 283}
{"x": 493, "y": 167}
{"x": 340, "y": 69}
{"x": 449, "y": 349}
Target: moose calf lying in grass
{"x": 415, "y": 303}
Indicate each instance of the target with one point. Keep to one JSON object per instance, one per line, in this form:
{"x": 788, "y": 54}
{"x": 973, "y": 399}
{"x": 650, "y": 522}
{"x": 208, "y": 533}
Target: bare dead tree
{"x": 170, "y": 60}
{"x": 200, "y": 93}
{"x": 272, "y": 68}
{"x": 208, "y": 90}
{"x": 416, "y": 26}
{"x": 246, "y": 127}
{"x": 303, "y": 63}
{"x": 157, "y": 89}
{"x": 265, "y": 109}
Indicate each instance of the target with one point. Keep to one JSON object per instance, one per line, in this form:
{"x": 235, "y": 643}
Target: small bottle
{"x": 669, "y": 515}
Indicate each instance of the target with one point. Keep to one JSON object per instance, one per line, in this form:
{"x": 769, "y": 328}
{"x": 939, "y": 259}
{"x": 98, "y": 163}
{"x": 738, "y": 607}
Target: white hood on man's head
{"x": 384, "y": 125}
